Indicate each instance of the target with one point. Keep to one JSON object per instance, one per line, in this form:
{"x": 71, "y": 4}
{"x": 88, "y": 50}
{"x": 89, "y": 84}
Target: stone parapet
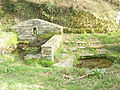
{"x": 48, "y": 49}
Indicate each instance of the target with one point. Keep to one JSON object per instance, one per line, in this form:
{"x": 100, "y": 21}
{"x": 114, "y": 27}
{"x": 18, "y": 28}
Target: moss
{"x": 11, "y": 58}
{"x": 47, "y": 35}
{"x": 13, "y": 39}
{"x": 10, "y": 42}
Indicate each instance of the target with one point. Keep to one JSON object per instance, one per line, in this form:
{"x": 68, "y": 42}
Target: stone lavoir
{"x": 30, "y": 29}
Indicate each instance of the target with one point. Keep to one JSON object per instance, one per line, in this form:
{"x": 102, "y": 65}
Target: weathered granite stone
{"x": 118, "y": 18}
{"x": 1, "y": 52}
{"x": 86, "y": 54}
{"x": 74, "y": 49}
{"x": 48, "y": 49}
{"x": 68, "y": 63}
{"x": 81, "y": 47}
{"x": 31, "y": 56}
{"x": 1, "y": 60}
{"x": 64, "y": 55}
{"x": 26, "y": 37}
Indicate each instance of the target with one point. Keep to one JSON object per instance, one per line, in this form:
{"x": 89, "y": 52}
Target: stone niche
{"x": 30, "y": 29}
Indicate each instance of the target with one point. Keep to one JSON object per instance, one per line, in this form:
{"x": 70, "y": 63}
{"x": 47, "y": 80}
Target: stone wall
{"x": 8, "y": 42}
{"x": 48, "y": 49}
{"x": 27, "y": 30}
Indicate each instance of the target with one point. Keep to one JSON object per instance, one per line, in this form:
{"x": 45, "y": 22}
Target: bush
{"x": 8, "y": 6}
{"x": 97, "y": 72}
{"x": 46, "y": 63}
{"x": 8, "y": 69}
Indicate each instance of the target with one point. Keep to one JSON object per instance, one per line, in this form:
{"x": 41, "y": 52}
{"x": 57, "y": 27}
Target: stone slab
{"x": 68, "y": 63}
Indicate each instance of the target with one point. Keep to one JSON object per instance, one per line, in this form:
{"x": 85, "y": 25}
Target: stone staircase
{"x": 96, "y": 46}
{"x": 81, "y": 48}
{"x": 92, "y": 47}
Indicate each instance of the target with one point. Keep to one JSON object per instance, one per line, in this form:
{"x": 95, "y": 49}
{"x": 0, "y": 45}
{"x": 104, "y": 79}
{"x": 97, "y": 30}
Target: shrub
{"x": 46, "y": 63}
{"x": 97, "y": 72}
{"x": 8, "y": 69}
{"x": 8, "y": 6}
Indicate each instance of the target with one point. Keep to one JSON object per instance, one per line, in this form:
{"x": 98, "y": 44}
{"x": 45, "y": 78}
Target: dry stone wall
{"x": 48, "y": 49}
{"x": 8, "y": 42}
{"x": 27, "y": 30}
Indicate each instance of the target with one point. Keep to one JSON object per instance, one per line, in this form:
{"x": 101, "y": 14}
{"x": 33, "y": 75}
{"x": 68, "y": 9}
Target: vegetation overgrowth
{"x": 79, "y": 17}
{"x": 82, "y": 19}
{"x": 36, "y": 77}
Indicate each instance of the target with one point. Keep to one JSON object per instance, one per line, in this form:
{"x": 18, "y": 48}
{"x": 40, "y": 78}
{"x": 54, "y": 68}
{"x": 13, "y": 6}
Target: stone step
{"x": 76, "y": 42}
{"x": 104, "y": 50}
{"x": 86, "y": 54}
{"x": 114, "y": 44}
{"x": 95, "y": 42}
{"x": 81, "y": 42}
{"x": 96, "y": 46}
{"x": 91, "y": 54}
{"x": 82, "y": 47}
{"x": 100, "y": 48}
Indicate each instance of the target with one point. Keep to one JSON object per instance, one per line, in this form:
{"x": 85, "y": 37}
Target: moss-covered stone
{"x": 8, "y": 42}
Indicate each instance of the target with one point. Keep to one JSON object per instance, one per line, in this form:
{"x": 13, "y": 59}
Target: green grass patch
{"x": 43, "y": 62}
{"x": 29, "y": 77}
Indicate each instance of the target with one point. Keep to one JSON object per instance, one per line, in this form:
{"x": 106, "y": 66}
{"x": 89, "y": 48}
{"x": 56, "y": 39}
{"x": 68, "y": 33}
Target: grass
{"x": 35, "y": 77}
{"x": 98, "y": 8}
{"x": 91, "y": 16}
{"x": 12, "y": 37}
{"x": 21, "y": 76}
{"x": 31, "y": 77}
{"x": 15, "y": 75}
{"x": 108, "y": 39}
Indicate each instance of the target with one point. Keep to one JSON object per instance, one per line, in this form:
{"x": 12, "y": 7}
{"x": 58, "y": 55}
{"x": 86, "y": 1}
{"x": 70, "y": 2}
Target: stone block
{"x": 68, "y": 63}
{"x": 31, "y": 56}
{"x": 48, "y": 49}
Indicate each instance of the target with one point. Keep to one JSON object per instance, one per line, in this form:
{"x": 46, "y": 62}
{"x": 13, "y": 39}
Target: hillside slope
{"x": 100, "y": 8}
{"x": 76, "y": 14}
